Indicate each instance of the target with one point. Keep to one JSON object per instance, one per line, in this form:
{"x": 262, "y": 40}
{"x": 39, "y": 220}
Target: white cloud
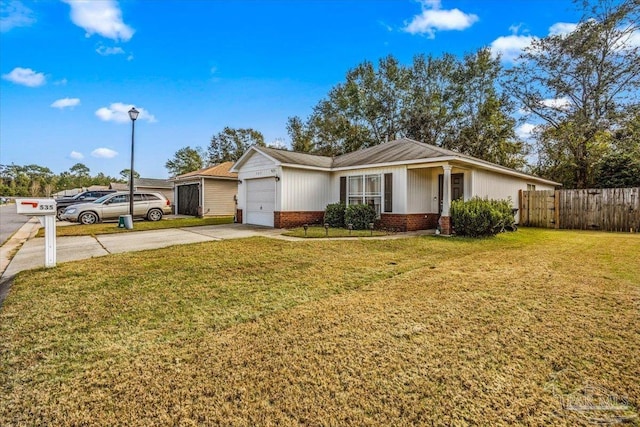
{"x": 100, "y": 17}
{"x": 106, "y": 51}
{"x": 509, "y": 47}
{"x": 525, "y": 130}
{"x": 104, "y": 153}
{"x": 434, "y": 19}
{"x": 119, "y": 113}
{"x": 557, "y": 103}
{"x": 66, "y": 103}
{"x": 14, "y": 14}
{"x": 76, "y": 155}
{"x": 562, "y": 28}
{"x": 25, "y": 77}
{"x": 62, "y": 82}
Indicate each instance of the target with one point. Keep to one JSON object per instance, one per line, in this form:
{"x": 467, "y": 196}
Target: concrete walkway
{"x": 23, "y": 252}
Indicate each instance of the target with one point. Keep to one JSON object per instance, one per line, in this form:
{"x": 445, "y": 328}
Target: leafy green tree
{"x": 301, "y": 136}
{"x": 230, "y": 144}
{"x": 185, "y": 160}
{"x": 432, "y": 109}
{"x": 125, "y": 174}
{"x": 485, "y": 117}
{"x": 581, "y": 86}
{"x": 442, "y": 101}
{"x": 618, "y": 170}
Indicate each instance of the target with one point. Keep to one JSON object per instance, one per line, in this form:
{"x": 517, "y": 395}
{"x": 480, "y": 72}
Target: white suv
{"x": 152, "y": 206}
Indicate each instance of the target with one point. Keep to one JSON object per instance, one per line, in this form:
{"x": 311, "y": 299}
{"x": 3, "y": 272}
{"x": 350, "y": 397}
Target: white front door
{"x": 261, "y": 201}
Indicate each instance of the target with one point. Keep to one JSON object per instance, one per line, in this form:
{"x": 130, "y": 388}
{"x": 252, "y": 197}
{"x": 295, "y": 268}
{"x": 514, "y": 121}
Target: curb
{"x": 15, "y": 242}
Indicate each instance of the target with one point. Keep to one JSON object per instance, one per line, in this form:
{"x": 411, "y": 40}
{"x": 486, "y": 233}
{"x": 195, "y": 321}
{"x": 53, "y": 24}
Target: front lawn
{"x": 259, "y": 332}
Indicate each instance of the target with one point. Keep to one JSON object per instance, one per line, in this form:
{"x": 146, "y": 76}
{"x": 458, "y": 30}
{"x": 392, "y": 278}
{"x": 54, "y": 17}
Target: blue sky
{"x": 71, "y": 69}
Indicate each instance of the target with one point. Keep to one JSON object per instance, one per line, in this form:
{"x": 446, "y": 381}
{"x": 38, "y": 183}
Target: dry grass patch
{"x": 259, "y": 332}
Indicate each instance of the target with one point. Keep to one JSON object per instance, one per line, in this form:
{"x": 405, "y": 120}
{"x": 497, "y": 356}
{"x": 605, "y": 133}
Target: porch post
{"x": 445, "y": 219}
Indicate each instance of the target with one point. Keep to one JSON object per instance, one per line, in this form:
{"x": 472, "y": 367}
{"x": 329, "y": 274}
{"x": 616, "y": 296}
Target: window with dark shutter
{"x": 388, "y": 192}
{"x": 343, "y": 189}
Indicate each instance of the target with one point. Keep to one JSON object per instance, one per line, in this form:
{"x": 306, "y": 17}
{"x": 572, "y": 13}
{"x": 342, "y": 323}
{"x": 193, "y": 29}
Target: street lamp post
{"x": 133, "y": 115}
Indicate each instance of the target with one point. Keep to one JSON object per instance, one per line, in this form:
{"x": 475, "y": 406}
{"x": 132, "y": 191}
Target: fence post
{"x": 556, "y": 209}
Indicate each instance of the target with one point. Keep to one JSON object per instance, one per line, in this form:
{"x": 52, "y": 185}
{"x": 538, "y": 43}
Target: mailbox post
{"x": 45, "y": 210}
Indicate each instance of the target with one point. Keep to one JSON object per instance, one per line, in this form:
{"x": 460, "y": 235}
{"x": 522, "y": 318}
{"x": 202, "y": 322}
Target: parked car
{"x": 152, "y": 206}
{"x": 86, "y": 196}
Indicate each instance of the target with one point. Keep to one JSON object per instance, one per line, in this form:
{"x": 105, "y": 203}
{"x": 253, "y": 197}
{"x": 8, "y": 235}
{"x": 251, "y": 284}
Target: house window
{"x": 531, "y": 187}
{"x": 365, "y": 189}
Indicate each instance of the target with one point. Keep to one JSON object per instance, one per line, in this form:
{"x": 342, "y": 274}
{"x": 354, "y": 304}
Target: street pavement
{"x": 10, "y": 221}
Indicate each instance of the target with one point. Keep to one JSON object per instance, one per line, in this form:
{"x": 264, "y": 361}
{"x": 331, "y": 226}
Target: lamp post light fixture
{"x": 133, "y": 115}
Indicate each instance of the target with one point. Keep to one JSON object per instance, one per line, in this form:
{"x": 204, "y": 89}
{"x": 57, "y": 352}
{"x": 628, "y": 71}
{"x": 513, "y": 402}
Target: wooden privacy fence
{"x": 609, "y": 209}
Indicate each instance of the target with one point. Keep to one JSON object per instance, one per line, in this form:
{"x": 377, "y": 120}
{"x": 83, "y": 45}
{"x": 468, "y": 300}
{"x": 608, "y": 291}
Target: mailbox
{"x": 36, "y": 207}
{"x": 45, "y": 210}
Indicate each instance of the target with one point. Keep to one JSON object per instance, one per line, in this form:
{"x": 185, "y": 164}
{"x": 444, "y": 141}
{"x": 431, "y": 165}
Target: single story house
{"x": 163, "y": 186}
{"x": 210, "y": 191}
{"x": 409, "y": 183}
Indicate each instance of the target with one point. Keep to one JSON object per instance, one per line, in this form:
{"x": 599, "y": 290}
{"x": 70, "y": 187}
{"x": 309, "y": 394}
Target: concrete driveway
{"x": 31, "y": 254}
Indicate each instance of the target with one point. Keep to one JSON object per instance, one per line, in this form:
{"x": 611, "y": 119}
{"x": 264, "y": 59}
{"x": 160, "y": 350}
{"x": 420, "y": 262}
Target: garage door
{"x": 261, "y": 200}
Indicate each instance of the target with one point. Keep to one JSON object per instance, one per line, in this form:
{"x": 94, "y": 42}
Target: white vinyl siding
{"x": 497, "y": 186}
{"x": 304, "y": 190}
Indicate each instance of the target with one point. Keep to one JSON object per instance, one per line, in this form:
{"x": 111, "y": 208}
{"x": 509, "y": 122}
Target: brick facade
{"x": 408, "y": 222}
{"x": 239, "y": 216}
{"x": 445, "y": 225}
{"x": 297, "y": 219}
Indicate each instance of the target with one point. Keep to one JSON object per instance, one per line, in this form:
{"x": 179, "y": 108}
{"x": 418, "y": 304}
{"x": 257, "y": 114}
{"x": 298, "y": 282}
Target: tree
{"x": 125, "y": 175}
{"x": 442, "y": 101}
{"x": 618, "y": 170}
{"x": 484, "y": 117}
{"x": 185, "y": 160}
{"x": 432, "y": 111}
{"x": 579, "y": 85}
{"x": 230, "y": 144}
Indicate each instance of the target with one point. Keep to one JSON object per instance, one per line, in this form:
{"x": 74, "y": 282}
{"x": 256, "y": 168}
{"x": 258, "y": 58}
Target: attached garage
{"x": 261, "y": 201}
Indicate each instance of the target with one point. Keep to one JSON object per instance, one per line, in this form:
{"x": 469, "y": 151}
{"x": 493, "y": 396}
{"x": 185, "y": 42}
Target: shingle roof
{"x": 219, "y": 171}
{"x": 142, "y": 182}
{"x": 295, "y": 158}
{"x": 400, "y": 150}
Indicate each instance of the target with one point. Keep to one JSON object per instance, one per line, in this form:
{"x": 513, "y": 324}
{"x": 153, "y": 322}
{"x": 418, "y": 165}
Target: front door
{"x": 457, "y": 188}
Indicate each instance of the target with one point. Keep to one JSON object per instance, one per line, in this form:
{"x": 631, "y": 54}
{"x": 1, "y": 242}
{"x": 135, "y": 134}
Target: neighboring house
{"x": 409, "y": 183}
{"x": 207, "y": 192}
{"x": 73, "y": 191}
{"x": 163, "y": 186}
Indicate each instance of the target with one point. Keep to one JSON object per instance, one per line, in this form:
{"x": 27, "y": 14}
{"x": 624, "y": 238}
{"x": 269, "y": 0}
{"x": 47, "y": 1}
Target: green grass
{"x": 112, "y": 227}
{"x": 266, "y": 332}
{"x": 320, "y": 232}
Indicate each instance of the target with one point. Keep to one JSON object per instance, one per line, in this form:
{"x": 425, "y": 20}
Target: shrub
{"x": 360, "y": 216}
{"x": 481, "y": 217}
{"x": 334, "y": 215}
